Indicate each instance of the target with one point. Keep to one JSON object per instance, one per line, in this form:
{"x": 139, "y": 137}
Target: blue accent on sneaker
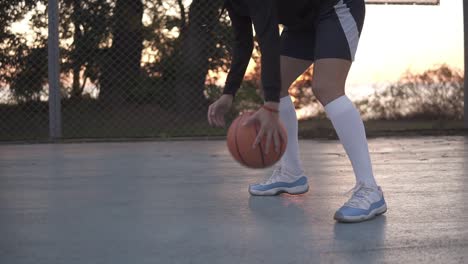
{"x": 265, "y": 187}
{"x": 350, "y": 214}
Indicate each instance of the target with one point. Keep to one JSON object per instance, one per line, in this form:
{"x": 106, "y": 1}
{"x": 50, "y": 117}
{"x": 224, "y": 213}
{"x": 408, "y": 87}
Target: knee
{"x": 326, "y": 91}
{"x": 319, "y": 89}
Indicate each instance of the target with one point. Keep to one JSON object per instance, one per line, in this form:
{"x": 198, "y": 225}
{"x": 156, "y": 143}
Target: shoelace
{"x": 359, "y": 198}
{"x": 273, "y": 178}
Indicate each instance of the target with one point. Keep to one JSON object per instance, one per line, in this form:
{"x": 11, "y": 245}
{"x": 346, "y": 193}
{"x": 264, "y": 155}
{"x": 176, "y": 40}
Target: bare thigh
{"x": 329, "y": 78}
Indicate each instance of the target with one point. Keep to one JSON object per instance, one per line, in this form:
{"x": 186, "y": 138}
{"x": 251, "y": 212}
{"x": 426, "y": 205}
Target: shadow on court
{"x": 187, "y": 202}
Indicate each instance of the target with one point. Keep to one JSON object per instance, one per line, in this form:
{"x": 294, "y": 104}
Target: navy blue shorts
{"x": 335, "y": 33}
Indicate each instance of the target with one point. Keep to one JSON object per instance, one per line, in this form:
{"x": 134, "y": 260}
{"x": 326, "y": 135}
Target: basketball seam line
{"x": 260, "y": 143}
{"x": 235, "y": 140}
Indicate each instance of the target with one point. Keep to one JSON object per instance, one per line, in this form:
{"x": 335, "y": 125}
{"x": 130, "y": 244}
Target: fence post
{"x": 55, "y": 117}
{"x": 465, "y": 32}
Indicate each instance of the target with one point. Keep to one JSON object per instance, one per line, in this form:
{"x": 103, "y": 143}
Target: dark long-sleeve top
{"x": 265, "y": 15}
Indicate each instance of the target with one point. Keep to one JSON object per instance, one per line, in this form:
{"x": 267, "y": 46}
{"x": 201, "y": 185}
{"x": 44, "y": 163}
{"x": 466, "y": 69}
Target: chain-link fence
{"x": 130, "y": 68}
{"x": 126, "y": 68}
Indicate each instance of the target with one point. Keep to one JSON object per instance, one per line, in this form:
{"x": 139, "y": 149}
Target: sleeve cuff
{"x": 229, "y": 92}
{"x": 271, "y": 95}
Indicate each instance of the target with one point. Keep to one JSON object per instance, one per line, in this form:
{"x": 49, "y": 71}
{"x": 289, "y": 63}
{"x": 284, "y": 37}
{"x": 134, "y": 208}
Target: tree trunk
{"x": 198, "y": 45}
{"x": 121, "y": 70}
{"x": 76, "y": 62}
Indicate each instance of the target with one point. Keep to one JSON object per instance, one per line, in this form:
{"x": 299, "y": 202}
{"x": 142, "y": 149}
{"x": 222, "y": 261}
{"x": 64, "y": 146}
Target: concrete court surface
{"x": 187, "y": 202}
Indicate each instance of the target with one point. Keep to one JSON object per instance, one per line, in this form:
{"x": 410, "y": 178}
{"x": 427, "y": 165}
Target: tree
{"x": 30, "y": 75}
{"x": 166, "y": 35}
{"x": 122, "y": 75}
{"x": 13, "y": 48}
{"x": 436, "y": 93}
{"x": 102, "y": 41}
{"x": 87, "y": 24}
{"x": 83, "y": 22}
{"x": 198, "y": 44}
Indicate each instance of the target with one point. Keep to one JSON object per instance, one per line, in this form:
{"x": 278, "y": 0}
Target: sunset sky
{"x": 400, "y": 38}
{"x": 397, "y": 38}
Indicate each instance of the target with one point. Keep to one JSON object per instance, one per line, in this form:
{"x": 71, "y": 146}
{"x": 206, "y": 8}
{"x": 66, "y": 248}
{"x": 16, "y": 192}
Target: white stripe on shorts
{"x": 349, "y": 26}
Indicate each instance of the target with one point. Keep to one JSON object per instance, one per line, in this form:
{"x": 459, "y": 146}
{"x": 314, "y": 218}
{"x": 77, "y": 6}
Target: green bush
{"x": 434, "y": 94}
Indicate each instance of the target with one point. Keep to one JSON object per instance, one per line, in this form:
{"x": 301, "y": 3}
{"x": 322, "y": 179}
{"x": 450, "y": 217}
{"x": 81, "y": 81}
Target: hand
{"x": 269, "y": 125}
{"x": 218, "y": 109}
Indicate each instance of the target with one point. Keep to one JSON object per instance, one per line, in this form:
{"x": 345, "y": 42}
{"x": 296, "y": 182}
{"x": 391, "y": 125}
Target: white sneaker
{"x": 281, "y": 182}
{"x": 365, "y": 203}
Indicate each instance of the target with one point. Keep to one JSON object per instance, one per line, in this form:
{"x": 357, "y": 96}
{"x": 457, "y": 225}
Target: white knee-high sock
{"x": 350, "y": 129}
{"x": 290, "y": 162}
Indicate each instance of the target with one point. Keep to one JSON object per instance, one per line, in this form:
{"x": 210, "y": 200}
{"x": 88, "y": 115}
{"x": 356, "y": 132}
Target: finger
{"x": 209, "y": 115}
{"x": 276, "y": 138}
{"x": 223, "y": 123}
{"x": 215, "y": 117}
{"x": 213, "y": 112}
{"x": 268, "y": 141}
{"x": 259, "y": 137}
{"x": 218, "y": 118}
{"x": 283, "y": 135}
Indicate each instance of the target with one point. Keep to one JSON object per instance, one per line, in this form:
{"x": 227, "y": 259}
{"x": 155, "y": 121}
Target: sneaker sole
{"x": 356, "y": 219}
{"x": 276, "y": 191}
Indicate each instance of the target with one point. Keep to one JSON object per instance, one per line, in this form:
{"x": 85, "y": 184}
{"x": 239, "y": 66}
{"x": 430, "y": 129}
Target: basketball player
{"x": 324, "y": 33}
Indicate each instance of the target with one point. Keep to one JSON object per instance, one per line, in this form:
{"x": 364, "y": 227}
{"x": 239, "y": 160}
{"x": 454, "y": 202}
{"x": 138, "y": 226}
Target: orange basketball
{"x": 241, "y": 138}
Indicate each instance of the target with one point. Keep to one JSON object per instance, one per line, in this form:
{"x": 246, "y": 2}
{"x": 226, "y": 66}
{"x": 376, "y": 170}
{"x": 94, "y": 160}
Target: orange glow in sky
{"x": 397, "y": 38}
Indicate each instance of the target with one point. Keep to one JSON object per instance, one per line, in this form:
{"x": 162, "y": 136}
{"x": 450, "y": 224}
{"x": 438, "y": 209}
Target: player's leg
{"x": 297, "y": 53}
{"x": 291, "y": 69}
{"x": 289, "y": 176}
{"x": 337, "y": 38}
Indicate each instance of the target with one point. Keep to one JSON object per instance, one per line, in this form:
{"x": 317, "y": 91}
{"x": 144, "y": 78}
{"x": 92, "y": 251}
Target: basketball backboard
{"x": 404, "y": 2}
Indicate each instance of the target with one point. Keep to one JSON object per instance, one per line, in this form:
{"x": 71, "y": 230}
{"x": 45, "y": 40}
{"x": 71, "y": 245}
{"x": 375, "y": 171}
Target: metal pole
{"x": 55, "y": 117}
{"x": 465, "y": 26}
